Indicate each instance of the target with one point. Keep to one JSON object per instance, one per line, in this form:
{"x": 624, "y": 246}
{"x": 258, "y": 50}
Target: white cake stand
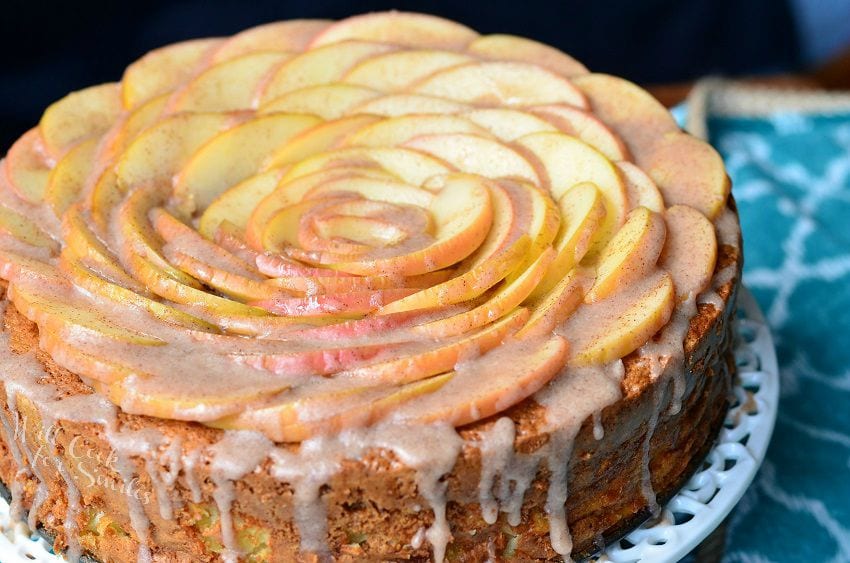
{"x": 697, "y": 510}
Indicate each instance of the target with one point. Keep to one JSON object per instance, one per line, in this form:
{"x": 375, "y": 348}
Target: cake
{"x": 375, "y": 289}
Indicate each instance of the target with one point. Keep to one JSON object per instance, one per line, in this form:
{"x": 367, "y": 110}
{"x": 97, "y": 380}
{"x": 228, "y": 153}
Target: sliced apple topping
{"x": 286, "y": 36}
{"x": 162, "y": 70}
{"x": 79, "y": 115}
{"x": 501, "y": 83}
{"x": 228, "y": 86}
{"x": 399, "y": 28}
{"x": 321, "y": 225}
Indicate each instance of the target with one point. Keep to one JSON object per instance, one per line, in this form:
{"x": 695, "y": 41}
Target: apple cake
{"x": 381, "y": 288}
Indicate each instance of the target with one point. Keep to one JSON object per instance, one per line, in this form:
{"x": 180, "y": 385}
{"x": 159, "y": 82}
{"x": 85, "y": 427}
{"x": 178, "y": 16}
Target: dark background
{"x": 50, "y": 48}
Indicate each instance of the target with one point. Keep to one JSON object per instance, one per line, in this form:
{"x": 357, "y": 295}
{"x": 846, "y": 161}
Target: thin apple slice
{"x": 289, "y": 192}
{"x": 586, "y": 126}
{"x": 79, "y": 115}
{"x": 65, "y": 183}
{"x": 309, "y": 359}
{"x": 134, "y": 236}
{"x": 137, "y": 394}
{"x": 467, "y": 286}
{"x": 25, "y": 168}
{"x": 374, "y": 189}
{"x": 582, "y": 214}
{"x": 476, "y": 155}
{"x": 501, "y": 83}
{"x": 22, "y": 228}
{"x": 541, "y": 220}
{"x": 218, "y": 308}
{"x": 482, "y": 387}
{"x": 632, "y": 112}
{"x": 161, "y": 70}
{"x": 56, "y": 313}
{"x": 232, "y": 156}
{"x": 227, "y": 86}
{"x": 507, "y": 124}
{"x": 81, "y": 244}
{"x": 631, "y": 254}
{"x": 328, "y": 101}
{"x": 87, "y": 280}
{"x": 553, "y": 307}
{"x": 237, "y": 203}
{"x": 393, "y": 72}
{"x": 322, "y": 65}
{"x": 689, "y": 172}
{"x": 326, "y": 407}
{"x": 355, "y": 303}
{"x": 613, "y": 328}
{"x": 129, "y": 126}
{"x": 320, "y": 284}
{"x": 503, "y": 47}
{"x": 96, "y": 369}
{"x": 640, "y": 188}
{"x": 398, "y": 130}
{"x": 462, "y": 215}
{"x": 411, "y": 166}
{"x": 396, "y": 105}
{"x": 399, "y": 28}
{"x": 320, "y": 138}
{"x": 290, "y": 35}
{"x": 690, "y": 251}
{"x": 504, "y": 300}
{"x": 161, "y": 151}
{"x": 568, "y": 161}
{"x": 233, "y": 285}
{"x": 437, "y": 359}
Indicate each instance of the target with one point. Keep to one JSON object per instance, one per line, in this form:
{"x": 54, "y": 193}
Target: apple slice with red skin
{"x": 438, "y": 359}
{"x": 320, "y": 138}
{"x": 503, "y": 47}
{"x": 690, "y": 251}
{"x": 507, "y": 124}
{"x": 400, "y": 28}
{"x": 637, "y": 117}
{"x": 513, "y": 371}
{"x": 232, "y": 156}
{"x": 227, "y": 86}
{"x": 462, "y": 214}
{"x": 93, "y": 283}
{"x": 344, "y": 304}
{"x": 318, "y": 66}
{"x": 553, "y": 307}
{"x": 394, "y": 72}
{"x": 66, "y": 181}
{"x": 397, "y": 105}
{"x": 325, "y": 360}
{"x": 631, "y": 254}
{"x": 161, "y": 70}
{"x": 501, "y": 83}
{"x": 313, "y": 285}
{"x": 689, "y": 172}
{"x": 236, "y": 204}
{"x": 290, "y": 35}
{"x": 613, "y": 328}
{"x": 586, "y": 126}
{"x": 80, "y": 115}
{"x": 475, "y": 154}
{"x": 25, "y": 168}
{"x": 328, "y": 101}
{"x": 640, "y": 188}
{"x": 398, "y": 130}
{"x": 503, "y": 301}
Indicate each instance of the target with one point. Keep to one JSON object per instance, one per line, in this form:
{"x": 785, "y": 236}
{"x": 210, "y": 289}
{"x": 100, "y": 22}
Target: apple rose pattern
{"x": 323, "y": 227}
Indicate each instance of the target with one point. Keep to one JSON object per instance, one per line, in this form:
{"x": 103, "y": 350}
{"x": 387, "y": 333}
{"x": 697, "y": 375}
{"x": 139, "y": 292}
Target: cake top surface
{"x": 312, "y": 226}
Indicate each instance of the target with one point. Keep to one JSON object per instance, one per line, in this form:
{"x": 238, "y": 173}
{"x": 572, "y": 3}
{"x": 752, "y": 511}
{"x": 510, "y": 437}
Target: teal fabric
{"x": 791, "y": 179}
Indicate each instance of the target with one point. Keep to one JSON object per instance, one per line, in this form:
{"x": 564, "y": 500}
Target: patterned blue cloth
{"x": 791, "y": 178}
